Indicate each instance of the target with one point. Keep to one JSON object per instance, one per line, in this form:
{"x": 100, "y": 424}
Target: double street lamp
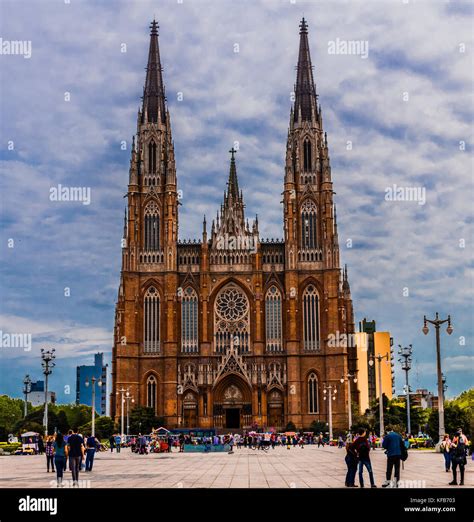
{"x": 405, "y": 360}
{"x": 99, "y": 383}
{"x": 437, "y": 322}
{"x": 379, "y": 358}
{"x": 26, "y": 390}
{"x": 330, "y": 395}
{"x": 47, "y": 362}
{"x": 128, "y": 398}
{"x": 348, "y": 377}
{"x": 122, "y": 400}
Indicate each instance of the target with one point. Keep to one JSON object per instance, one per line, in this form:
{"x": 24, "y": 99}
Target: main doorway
{"x": 232, "y": 418}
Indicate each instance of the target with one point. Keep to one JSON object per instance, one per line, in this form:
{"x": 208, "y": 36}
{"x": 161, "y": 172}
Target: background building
{"x": 369, "y": 342}
{"x": 422, "y": 398}
{"x": 230, "y": 330}
{"x": 36, "y": 396}
{"x": 84, "y": 393}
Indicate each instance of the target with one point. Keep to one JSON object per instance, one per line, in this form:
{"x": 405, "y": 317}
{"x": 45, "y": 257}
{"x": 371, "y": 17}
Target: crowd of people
{"x": 454, "y": 449}
{"x": 74, "y": 448}
{"x": 79, "y": 450}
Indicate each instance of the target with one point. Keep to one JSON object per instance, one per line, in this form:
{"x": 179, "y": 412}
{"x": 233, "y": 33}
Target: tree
{"x": 318, "y": 427}
{"x": 63, "y": 424}
{"x": 36, "y": 416}
{"x": 104, "y": 427}
{"x": 11, "y": 412}
{"x": 290, "y": 427}
{"x": 143, "y": 419}
{"x": 454, "y": 417}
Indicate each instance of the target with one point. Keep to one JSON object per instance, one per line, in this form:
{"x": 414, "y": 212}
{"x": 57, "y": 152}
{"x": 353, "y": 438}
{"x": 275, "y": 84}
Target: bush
{"x": 290, "y": 427}
{"x": 318, "y": 427}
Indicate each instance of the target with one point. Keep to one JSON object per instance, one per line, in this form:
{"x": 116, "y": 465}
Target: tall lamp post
{"x": 445, "y": 386}
{"x": 330, "y": 395}
{"x": 26, "y": 391}
{"x": 405, "y": 360}
{"x": 437, "y": 322}
{"x": 128, "y": 398}
{"x": 348, "y": 377}
{"x": 47, "y": 362}
{"x": 99, "y": 383}
{"x": 379, "y": 358}
{"x": 122, "y": 400}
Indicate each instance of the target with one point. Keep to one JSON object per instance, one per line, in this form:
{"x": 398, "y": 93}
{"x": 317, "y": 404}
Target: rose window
{"x": 231, "y": 304}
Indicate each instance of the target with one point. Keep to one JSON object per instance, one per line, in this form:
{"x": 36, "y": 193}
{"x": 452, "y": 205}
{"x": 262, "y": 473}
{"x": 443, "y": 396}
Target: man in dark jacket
{"x": 362, "y": 447}
{"x": 392, "y": 443}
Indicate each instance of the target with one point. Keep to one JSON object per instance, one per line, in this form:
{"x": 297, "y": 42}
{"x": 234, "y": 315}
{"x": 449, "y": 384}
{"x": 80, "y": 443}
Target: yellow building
{"x": 371, "y": 343}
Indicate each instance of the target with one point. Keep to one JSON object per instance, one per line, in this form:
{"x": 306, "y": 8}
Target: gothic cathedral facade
{"x": 231, "y": 331}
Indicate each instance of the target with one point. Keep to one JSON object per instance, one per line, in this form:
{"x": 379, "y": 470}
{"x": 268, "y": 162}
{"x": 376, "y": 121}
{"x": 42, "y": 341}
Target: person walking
{"x": 40, "y": 445}
{"x": 118, "y": 442}
{"x": 76, "y": 453}
{"x": 351, "y": 462}
{"x": 231, "y": 443}
{"x": 91, "y": 445}
{"x": 392, "y": 443}
{"x": 181, "y": 443}
{"x": 112, "y": 443}
{"x": 362, "y": 447}
{"x": 445, "y": 450}
{"x": 49, "y": 450}
{"x": 458, "y": 458}
{"x": 320, "y": 440}
{"x": 60, "y": 454}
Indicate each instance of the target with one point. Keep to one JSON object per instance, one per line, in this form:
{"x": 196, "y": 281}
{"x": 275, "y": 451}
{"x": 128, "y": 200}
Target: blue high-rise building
{"x": 84, "y": 393}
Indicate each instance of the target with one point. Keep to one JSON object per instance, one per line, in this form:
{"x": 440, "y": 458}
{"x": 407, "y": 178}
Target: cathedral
{"x": 230, "y": 331}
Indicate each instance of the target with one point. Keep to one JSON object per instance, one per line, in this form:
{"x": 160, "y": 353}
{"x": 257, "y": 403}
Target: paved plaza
{"x": 310, "y": 467}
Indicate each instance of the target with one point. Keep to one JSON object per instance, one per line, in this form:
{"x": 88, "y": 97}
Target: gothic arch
{"x": 232, "y": 379}
{"x": 311, "y": 323}
{"x": 312, "y": 392}
{"x": 147, "y": 379}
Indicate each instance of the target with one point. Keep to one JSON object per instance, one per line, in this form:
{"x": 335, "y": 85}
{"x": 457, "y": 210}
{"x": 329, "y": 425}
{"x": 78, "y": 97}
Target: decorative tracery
{"x": 189, "y": 320}
{"x": 308, "y": 225}
{"x": 311, "y": 330}
{"x": 152, "y": 227}
{"x": 273, "y": 323}
{"x": 231, "y": 319}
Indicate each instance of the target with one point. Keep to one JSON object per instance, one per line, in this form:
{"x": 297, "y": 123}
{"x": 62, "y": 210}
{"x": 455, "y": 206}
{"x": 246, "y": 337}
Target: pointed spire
{"x": 233, "y": 184}
{"x": 305, "y": 90}
{"x": 154, "y": 91}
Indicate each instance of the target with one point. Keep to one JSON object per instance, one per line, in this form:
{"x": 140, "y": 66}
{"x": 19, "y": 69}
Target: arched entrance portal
{"x": 232, "y": 404}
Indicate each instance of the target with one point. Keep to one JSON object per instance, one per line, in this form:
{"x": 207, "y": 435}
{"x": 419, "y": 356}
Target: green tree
{"x": 317, "y": 427}
{"x": 454, "y": 417}
{"x": 36, "y": 417}
{"x": 63, "y": 424}
{"x": 11, "y": 412}
{"x": 143, "y": 420}
{"x": 290, "y": 427}
{"x": 104, "y": 427}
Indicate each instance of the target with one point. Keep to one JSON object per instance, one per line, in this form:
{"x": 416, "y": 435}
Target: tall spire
{"x": 233, "y": 184}
{"x": 305, "y": 90}
{"x": 154, "y": 91}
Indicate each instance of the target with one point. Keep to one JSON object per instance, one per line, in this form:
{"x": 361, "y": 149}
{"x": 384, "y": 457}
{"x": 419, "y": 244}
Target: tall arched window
{"x": 311, "y": 318}
{"x": 152, "y": 227}
{"x": 313, "y": 397}
{"x": 151, "y": 392}
{"x": 189, "y": 320}
{"x": 307, "y": 156}
{"x": 151, "y": 157}
{"x": 308, "y": 225}
{"x": 273, "y": 326}
{"x": 151, "y": 315}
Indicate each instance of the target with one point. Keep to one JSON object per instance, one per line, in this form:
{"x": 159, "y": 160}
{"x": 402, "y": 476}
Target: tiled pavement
{"x": 310, "y": 467}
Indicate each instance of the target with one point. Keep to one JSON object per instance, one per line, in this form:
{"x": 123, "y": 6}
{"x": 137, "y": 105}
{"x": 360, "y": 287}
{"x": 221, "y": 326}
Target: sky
{"x": 400, "y": 115}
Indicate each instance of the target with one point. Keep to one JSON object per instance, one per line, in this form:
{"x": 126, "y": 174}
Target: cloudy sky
{"x": 406, "y": 109}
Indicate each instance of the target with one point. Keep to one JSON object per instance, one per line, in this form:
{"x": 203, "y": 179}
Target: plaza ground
{"x": 310, "y": 467}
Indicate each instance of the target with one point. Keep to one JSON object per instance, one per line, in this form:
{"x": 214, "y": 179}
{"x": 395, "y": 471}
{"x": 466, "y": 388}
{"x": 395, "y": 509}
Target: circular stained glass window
{"x": 231, "y": 304}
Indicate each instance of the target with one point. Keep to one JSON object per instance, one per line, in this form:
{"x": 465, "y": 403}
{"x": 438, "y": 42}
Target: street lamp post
{"x": 128, "y": 398}
{"x": 121, "y": 391}
{"x": 330, "y": 394}
{"x": 47, "y": 362}
{"x": 445, "y": 386}
{"x": 405, "y": 359}
{"x": 437, "y": 322}
{"x": 26, "y": 391}
{"x": 348, "y": 377}
{"x": 379, "y": 358}
{"x": 99, "y": 383}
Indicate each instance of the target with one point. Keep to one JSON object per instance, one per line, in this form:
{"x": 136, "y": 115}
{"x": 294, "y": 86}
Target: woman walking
{"x": 445, "y": 449}
{"x": 60, "y": 454}
{"x": 458, "y": 458}
{"x": 49, "y": 450}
